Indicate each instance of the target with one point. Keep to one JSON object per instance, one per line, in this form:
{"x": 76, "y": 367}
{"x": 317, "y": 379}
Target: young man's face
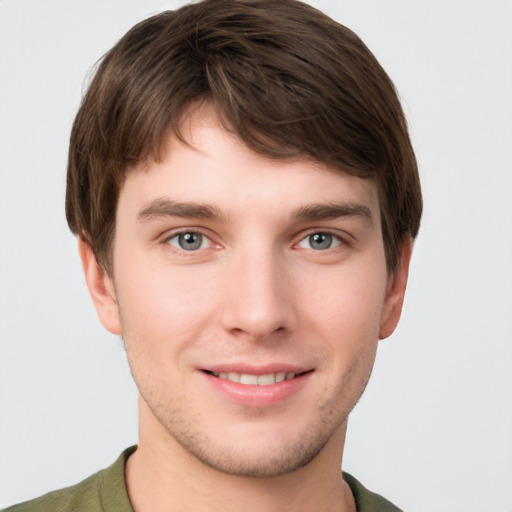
{"x": 250, "y": 295}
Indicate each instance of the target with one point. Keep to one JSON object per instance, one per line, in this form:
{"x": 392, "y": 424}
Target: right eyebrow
{"x": 164, "y": 207}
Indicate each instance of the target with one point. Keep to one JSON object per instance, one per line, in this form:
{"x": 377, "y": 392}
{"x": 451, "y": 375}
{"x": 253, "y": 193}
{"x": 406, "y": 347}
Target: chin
{"x": 254, "y": 450}
{"x": 259, "y": 461}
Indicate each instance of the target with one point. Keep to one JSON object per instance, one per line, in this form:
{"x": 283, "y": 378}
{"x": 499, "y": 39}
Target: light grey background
{"x": 433, "y": 432}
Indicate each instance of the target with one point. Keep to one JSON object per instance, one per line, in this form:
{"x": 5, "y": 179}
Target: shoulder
{"x": 83, "y": 496}
{"x": 105, "y": 490}
{"x": 368, "y": 501}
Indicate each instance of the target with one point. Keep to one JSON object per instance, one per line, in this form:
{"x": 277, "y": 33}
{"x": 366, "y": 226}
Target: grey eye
{"x": 189, "y": 241}
{"x": 320, "y": 241}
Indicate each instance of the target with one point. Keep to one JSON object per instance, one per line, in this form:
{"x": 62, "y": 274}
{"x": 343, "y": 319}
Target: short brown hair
{"x": 287, "y": 79}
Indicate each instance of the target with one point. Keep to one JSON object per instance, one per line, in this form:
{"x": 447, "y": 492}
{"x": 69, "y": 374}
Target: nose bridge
{"x": 257, "y": 301}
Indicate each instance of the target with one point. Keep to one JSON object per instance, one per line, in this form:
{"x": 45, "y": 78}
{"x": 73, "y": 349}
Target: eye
{"x": 189, "y": 241}
{"x": 320, "y": 241}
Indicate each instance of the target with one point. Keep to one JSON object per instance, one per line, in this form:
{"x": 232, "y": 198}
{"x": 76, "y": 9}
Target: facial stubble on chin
{"x": 289, "y": 457}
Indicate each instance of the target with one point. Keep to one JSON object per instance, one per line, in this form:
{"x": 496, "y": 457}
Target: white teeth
{"x": 233, "y": 377}
{"x": 266, "y": 380}
{"x": 255, "y": 380}
{"x": 246, "y": 378}
{"x": 280, "y": 376}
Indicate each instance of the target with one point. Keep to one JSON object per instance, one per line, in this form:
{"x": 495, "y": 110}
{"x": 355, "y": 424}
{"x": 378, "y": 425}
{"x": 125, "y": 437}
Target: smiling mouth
{"x": 255, "y": 380}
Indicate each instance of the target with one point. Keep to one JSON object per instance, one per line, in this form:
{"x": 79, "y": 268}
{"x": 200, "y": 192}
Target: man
{"x": 245, "y": 197}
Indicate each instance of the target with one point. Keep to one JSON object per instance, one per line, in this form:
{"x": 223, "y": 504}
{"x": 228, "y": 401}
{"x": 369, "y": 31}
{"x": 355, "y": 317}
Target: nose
{"x": 258, "y": 296}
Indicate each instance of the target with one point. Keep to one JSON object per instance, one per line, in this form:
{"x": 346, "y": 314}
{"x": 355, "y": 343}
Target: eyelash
{"x": 335, "y": 239}
{"x": 204, "y": 239}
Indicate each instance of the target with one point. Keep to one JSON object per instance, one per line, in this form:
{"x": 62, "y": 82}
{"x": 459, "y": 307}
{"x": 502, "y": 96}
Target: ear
{"x": 395, "y": 291}
{"x": 101, "y": 288}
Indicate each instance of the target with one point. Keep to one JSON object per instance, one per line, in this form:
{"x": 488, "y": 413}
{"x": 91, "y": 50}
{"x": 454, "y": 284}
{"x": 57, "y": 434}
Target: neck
{"x": 162, "y": 476}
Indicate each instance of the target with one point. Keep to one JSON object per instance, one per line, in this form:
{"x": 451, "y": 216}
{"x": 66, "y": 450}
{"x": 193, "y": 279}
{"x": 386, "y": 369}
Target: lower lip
{"x": 258, "y": 396}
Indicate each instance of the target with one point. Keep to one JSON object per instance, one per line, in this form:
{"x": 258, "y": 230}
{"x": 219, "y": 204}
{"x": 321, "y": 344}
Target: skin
{"x": 258, "y": 294}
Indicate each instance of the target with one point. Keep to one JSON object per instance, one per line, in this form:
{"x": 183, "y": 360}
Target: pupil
{"x": 190, "y": 241}
{"x": 320, "y": 240}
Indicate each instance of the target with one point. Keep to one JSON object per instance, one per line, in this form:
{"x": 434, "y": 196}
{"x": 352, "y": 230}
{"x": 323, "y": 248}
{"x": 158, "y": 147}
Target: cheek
{"x": 163, "y": 308}
{"x": 347, "y": 303}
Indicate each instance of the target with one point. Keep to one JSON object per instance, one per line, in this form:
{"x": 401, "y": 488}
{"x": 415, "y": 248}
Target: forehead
{"x": 213, "y": 166}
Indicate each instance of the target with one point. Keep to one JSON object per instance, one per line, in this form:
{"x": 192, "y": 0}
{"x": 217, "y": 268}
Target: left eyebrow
{"x": 316, "y": 212}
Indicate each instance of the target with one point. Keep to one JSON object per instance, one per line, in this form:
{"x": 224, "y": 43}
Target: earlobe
{"x": 101, "y": 288}
{"x": 395, "y": 291}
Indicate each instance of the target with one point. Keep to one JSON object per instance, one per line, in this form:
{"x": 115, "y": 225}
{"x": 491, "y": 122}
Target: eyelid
{"x": 344, "y": 237}
{"x": 336, "y": 242}
{"x": 183, "y": 230}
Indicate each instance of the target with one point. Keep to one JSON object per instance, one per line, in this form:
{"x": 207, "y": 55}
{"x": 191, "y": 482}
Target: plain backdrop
{"x": 433, "y": 431}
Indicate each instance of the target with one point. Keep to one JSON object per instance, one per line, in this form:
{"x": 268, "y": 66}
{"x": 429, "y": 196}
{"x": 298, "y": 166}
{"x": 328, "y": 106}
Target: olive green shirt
{"x": 105, "y": 491}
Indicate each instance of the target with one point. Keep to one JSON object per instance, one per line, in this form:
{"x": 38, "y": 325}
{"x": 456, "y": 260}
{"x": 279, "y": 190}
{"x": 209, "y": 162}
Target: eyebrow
{"x": 317, "y": 212}
{"x": 168, "y": 208}
{"x": 164, "y": 207}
